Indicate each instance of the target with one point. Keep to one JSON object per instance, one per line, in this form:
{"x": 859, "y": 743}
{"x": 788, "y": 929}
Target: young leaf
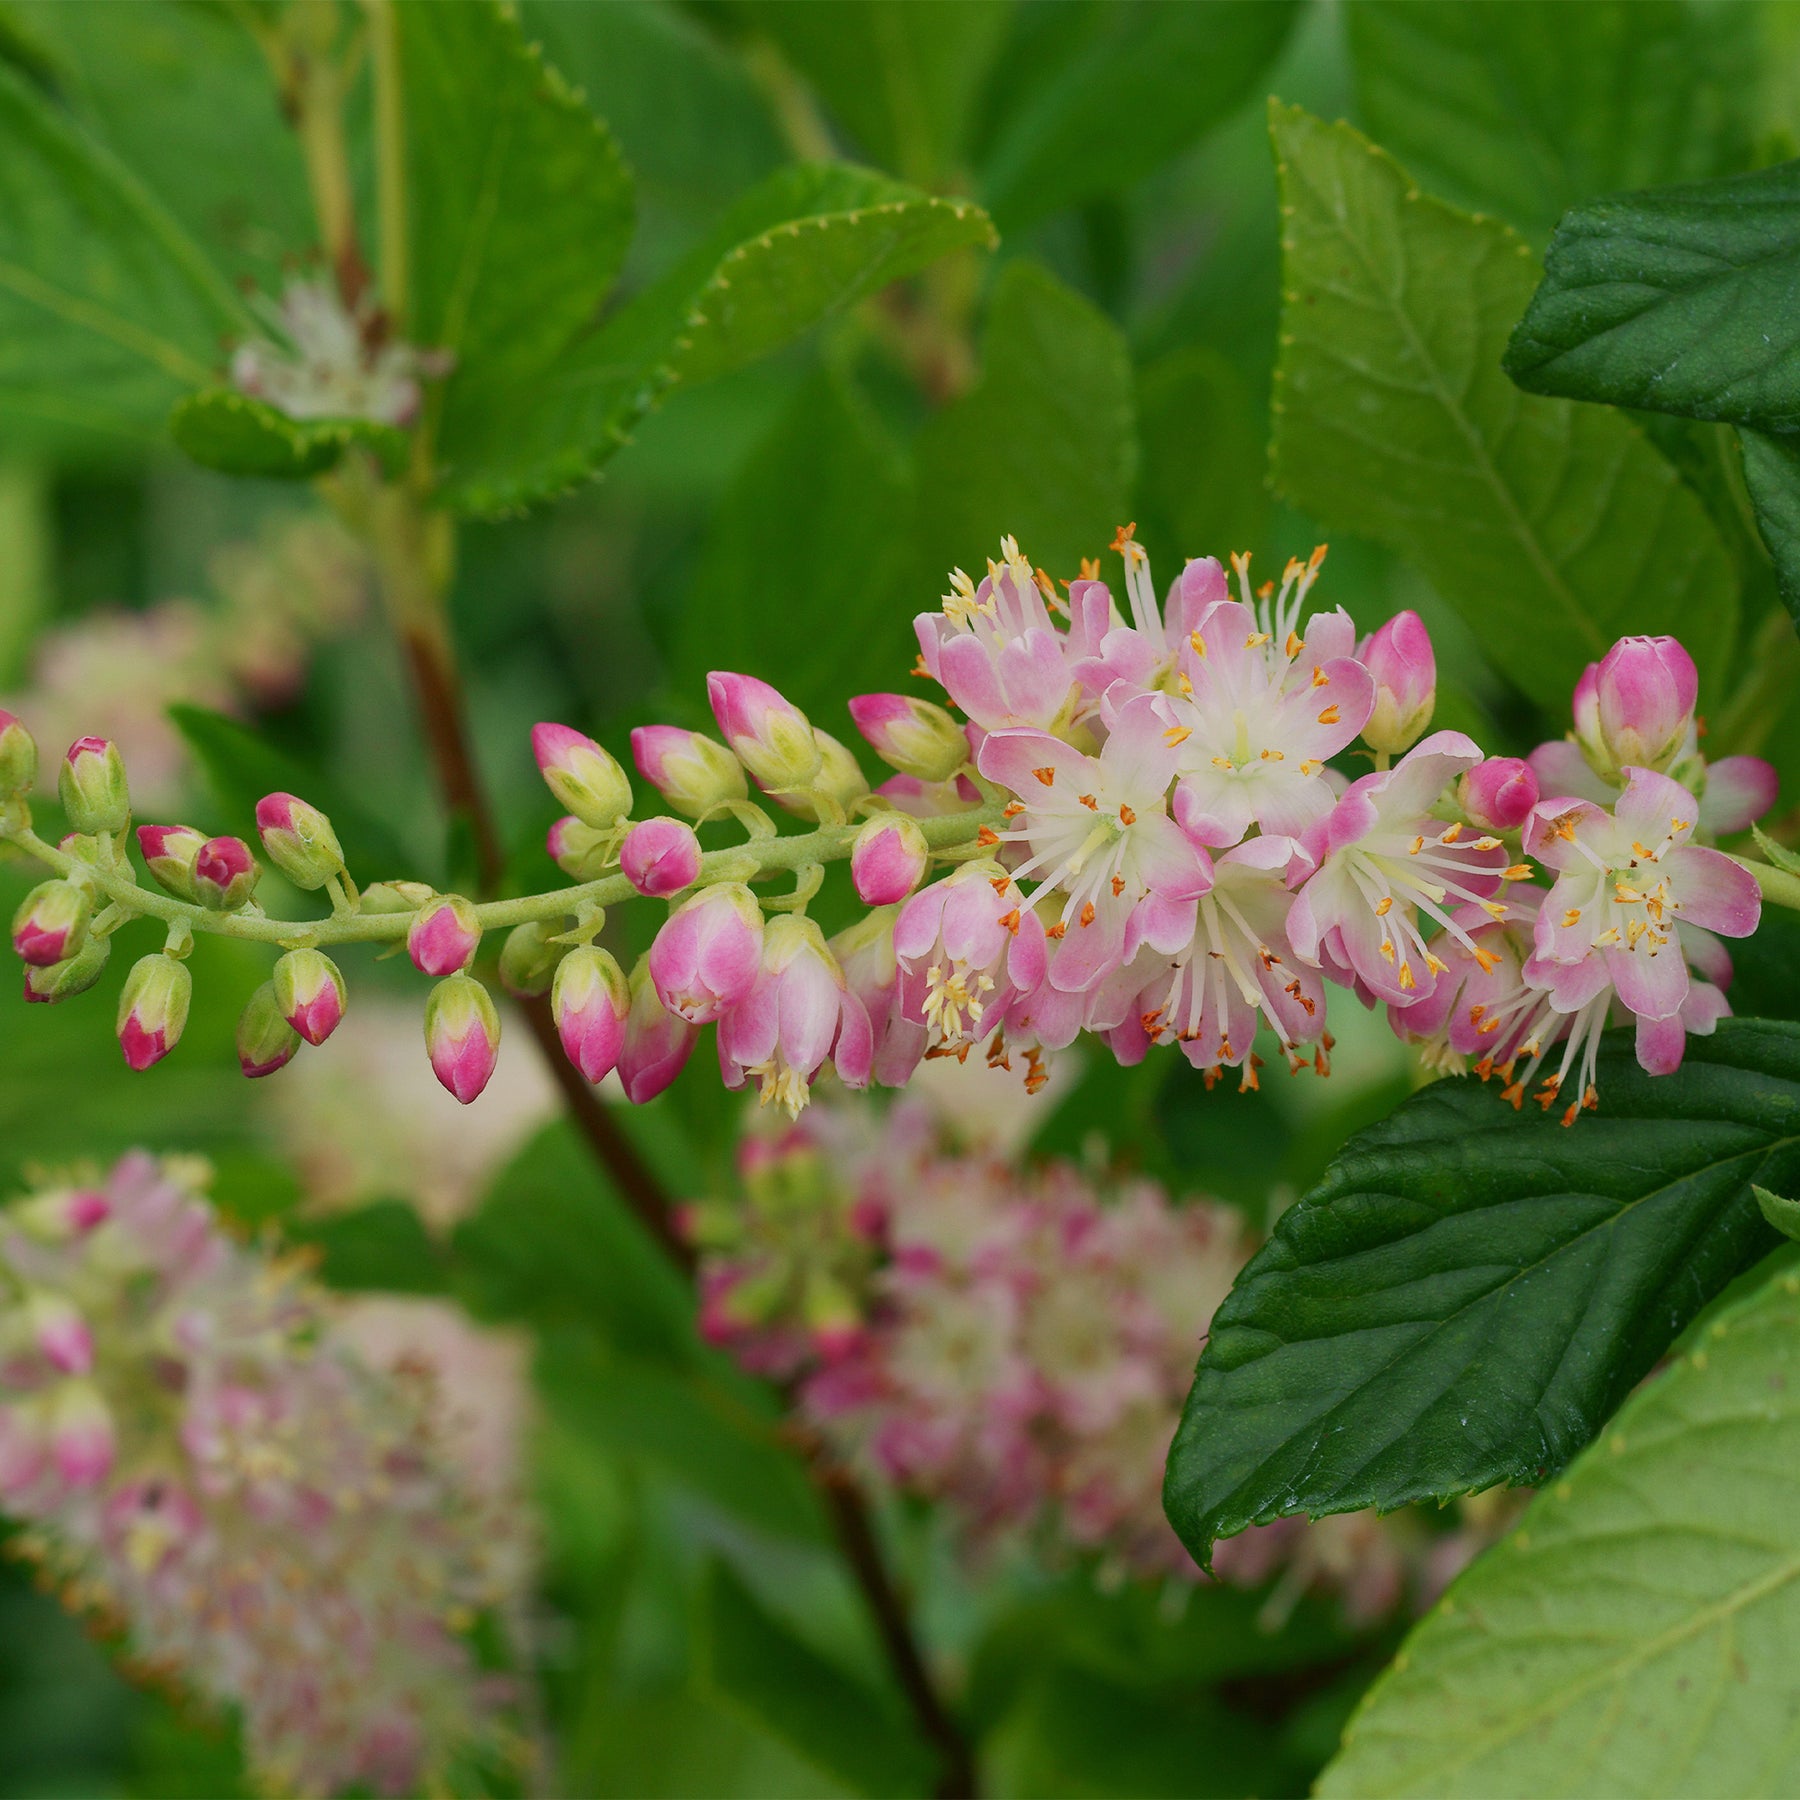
{"x": 231, "y": 432}
{"x": 1550, "y": 527}
{"x": 811, "y": 239}
{"x": 108, "y": 311}
{"x": 1134, "y": 85}
{"x": 754, "y": 1661}
{"x": 1496, "y": 104}
{"x": 1678, "y": 301}
{"x": 1633, "y": 1636}
{"x": 1783, "y": 1214}
{"x": 1044, "y": 447}
{"x": 1470, "y": 1291}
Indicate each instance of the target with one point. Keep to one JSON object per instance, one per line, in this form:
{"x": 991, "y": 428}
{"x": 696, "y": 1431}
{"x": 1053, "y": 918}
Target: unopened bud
{"x": 691, "y": 771}
{"x": 92, "y": 785}
{"x": 51, "y": 924}
{"x": 888, "y": 859}
{"x": 591, "y": 1002}
{"x": 770, "y": 735}
{"x": 1400, "y": 658}
{"x": 64, "y": 980}
{"x": 225, "y": 874}
{"x": 60, "y": 1332}
{"x": 169, "y": 852}
{"x": 913, "y": 736}
{"x": 660, "y": 857}
{"x": 528, "y": 959}
{"x": 581, "y": 775}
{"x": 308, "y": 993}
{"x": 582, "y": 852}
{"x": 1498, "y": 794}
{"x": 838, "y": 778}
{"x": 18, "y": 758}
{"x": 462, "y": 1035}
{"x": 82, "y": 1443}
{"x": 56, "y": 1216}
{"x": 707, "y": 953}
{"x": 396, "y": 896}
{"x": 265, "y": 1040}
{"x": 299, "y": 840}
{"x": 153, "y": 1008}
{"x": 657, "y": 1042}
{"x": 1633, "y": 707}
{"x": 444, "y": 937}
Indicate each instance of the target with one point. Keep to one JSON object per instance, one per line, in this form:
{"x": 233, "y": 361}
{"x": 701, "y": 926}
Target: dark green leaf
{"x": 108, "y": 310}
{"x": 1471, "y": 1291}
{"x": 1044, "y": 447}
{"x": 1549, "y": 527}
{"x": 1523, "y": 107}
{"x": 230, "y": 432}
{"x": 383, "y": 1246}
{"x": 810, "y": 240}
{"x": 1677, "y": 301}
{"x": 242, "y": 766}
{"x": 754, "y": 1661}
{"x": 1772, "y": 476}
{"x": 1135, "y": 85}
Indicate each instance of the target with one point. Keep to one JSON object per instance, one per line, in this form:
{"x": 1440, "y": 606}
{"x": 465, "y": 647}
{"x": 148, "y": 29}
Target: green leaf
{"x": 108, "y": 310}
{"x": 754, "y": 1661}
{"x": 1470, "y": 1291}
{"x": 242, "y": 766}
{"x": 382, "y": 1246}
{"x": 1134, "y": 86}
{"x": 1523, "y": 107}
{"x": 1783, "y": 1214}
{"x": 237, "y": 435}
{"x": 812, "y": 239}
{"x": 1550, "y": 527}
{"x": 1634, "y": 1635}
{"x": 1778, "y": 854}
{"x": 833, "y": 620}
{"x": 902, "y": 78}
{"x": 1044, "y": 447}
{"x": 1677, "y": 301}
{"x": 1772, "y": 479}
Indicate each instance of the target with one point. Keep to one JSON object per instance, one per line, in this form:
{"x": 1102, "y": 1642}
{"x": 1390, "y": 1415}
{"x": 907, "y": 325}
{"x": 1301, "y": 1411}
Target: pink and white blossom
{"x": 966, "y": 946}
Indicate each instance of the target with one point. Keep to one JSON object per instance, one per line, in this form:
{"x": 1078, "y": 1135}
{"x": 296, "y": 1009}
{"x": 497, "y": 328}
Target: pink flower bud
{"x": 1399, "y": 657}
{"x": 92, "y": 786}
{"x": 913, "y": 736}
{"x": 582, "y": 852}
{"x": 265, "y": 1040}
{"x": 18, "y": 758}
{"x": 657, "y": 1043}
{"x": 225, "y": 874}
{"x": 1498, "y": 794}
{"x": 51, "y": 924}
{"x": 771, "y": 736}
{"x": 1634, "y": 707}
{"x": 153, "y": 1009}
{"x": 308, "y": 993}
{"x": 81, "y": 1434}
{"x": 528, "y": 958}
{"x": 591, "y": 1002}
{"x": 692, "y": 772}
{"x": 444, "y": 937}
{"x": 582, "y": 776}
{"x": 61, "y": 1332}
{"x": 60, "y": 1214}
{"x": 660, "y": 857}
{"x": 64, "y": 980}
{"x": 396, "y": 896}
{"x": 462, "y": 1035}
{"x": 888, "y": 859}
{"x": 169, "y": 853}
{"x": 865, "y": 952}
{"x": 706, "y": 955}
{"x": 299, "y": 840}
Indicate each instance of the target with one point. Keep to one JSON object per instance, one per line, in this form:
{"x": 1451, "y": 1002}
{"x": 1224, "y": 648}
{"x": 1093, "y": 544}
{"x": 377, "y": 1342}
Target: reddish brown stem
{"x": 441, "y": 713}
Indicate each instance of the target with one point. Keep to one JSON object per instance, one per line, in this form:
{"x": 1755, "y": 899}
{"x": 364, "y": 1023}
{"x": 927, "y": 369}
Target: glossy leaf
{"x": 1043, "y": 447}
{"x": 1131, "y": 86}
{"x": 1634, "y": 1634}
{"x": 1470, "y": 1291}
{"x": 231, "y": 432}
{"x": 1551, "y": 528}
{"x": 1678, "y": 301}
{"x": 108, "y": 310}
{"x": 1772, "y": 479}
{"x": 1522, "y": 108}
{"x": 810, "y": 240}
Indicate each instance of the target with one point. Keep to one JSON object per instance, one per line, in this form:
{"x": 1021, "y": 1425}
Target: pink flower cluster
{"x": 1013, "y": 1344}
{"x": 202, "y": 1461}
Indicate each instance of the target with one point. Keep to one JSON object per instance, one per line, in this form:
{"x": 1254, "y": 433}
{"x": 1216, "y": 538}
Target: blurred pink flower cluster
{"x": 1013, "y": 1342}
{"x": 204, "y": 1462}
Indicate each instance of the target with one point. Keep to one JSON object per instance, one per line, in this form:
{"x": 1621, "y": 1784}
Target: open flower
{"x": 966, "y": 945}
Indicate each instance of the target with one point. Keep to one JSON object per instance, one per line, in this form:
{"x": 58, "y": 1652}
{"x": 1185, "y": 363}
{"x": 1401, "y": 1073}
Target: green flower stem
{"x": 1779, "y": 887}
{"x": 951, "y": 834}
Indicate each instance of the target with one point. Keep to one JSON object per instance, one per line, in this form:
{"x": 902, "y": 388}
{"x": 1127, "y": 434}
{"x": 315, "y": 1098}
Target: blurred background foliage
{"x": 1112, "y": 360}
